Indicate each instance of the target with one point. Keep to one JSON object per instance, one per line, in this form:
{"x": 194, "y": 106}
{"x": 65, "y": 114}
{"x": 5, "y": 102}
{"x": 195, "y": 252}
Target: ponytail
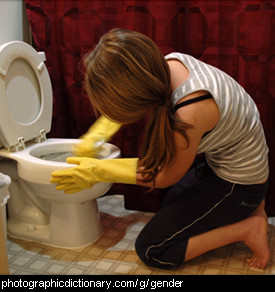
{"x": 159, "y": 144}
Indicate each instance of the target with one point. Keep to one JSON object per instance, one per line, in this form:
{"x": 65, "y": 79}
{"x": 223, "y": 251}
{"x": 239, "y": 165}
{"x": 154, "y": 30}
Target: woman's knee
{"x": 142, "y": 249}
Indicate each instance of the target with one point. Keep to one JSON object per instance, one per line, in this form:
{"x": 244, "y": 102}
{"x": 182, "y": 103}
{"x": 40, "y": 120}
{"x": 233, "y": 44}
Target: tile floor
{"x": 114, "y": 254}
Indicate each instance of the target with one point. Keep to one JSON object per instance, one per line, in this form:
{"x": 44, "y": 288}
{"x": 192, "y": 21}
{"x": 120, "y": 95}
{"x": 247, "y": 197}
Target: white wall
{"x": 13, "y": 21}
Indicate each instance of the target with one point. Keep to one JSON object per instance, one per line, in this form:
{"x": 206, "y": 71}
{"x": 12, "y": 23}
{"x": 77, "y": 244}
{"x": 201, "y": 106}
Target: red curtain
{"x": 236, "y": 36}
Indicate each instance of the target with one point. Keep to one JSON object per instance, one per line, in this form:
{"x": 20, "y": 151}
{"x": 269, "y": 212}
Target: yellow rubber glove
{"x": 101, "y": 131}
{"x": 91, "y": 171}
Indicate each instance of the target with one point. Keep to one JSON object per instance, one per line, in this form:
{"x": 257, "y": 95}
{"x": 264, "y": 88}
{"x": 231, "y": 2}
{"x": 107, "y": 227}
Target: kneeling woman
{"x": 191, "y": 108}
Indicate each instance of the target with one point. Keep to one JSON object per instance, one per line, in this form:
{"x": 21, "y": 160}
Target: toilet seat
{"x": 25, "y": 96}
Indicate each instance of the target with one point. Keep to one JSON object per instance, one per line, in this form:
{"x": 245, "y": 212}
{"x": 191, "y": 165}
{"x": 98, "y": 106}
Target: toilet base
{"x": 71, "y": 226}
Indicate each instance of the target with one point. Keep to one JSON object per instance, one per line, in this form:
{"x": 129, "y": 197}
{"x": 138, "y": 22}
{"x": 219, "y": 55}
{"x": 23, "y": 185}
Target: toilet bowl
{"x": 36, "y": 210}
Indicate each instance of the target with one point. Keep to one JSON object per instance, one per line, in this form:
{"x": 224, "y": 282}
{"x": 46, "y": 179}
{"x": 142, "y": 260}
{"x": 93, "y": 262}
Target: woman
{"x": 191, "y": 108}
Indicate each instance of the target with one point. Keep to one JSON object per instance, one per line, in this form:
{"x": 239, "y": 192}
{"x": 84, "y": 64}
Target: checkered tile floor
{"x": 114, "y": 252}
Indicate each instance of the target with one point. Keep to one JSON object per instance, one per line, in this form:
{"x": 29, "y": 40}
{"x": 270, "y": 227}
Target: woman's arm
{"x": 184, "y": 157}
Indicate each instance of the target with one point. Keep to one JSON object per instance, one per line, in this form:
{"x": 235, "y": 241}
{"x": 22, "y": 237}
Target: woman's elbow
{"x": 163, "y": 182}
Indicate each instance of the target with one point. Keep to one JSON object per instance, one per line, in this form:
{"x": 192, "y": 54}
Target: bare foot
{"x": 256, "y": 239}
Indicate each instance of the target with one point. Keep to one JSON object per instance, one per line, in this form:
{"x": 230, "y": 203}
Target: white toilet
{"x": 36, "y": 210}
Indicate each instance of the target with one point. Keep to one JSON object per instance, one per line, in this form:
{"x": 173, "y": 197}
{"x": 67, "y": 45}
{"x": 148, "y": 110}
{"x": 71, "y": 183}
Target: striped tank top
{"x": 236, "y": 148}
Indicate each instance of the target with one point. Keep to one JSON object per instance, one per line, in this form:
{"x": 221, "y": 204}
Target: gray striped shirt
{"x": 236, "y": 148}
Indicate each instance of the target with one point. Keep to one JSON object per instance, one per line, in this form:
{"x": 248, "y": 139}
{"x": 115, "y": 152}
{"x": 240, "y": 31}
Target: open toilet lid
{"x": 25, "y": 94}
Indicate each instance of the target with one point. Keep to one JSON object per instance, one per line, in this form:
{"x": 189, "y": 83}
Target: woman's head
{"x": 128, "y": 77}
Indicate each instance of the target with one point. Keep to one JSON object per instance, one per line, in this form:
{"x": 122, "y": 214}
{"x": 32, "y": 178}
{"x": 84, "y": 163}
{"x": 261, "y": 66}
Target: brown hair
{"x": 127, "y": 78}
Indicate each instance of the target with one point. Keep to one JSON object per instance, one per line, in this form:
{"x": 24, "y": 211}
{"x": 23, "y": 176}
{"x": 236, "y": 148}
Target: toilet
{"x": 36, "y": 210}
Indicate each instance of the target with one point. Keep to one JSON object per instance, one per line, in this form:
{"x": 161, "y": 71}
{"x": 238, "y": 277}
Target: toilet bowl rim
{"x": 26, "y": 155}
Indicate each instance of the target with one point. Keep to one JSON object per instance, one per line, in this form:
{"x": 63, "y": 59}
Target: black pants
{"x": 198, "y": 203}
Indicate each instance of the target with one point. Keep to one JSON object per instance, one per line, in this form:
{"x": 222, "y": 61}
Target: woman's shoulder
{"x": 178, "y": 73}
